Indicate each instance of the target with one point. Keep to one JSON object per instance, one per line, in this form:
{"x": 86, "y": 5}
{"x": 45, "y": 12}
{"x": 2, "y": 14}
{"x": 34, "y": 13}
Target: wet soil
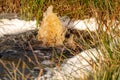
{"x": 25, "y": 48}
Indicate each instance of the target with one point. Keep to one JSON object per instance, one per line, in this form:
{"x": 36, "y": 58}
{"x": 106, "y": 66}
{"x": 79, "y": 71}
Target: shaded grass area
{"x": 108, "y": 41}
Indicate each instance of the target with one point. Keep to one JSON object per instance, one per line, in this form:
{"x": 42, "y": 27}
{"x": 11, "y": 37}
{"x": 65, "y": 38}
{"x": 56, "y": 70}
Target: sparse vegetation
{"x": 105, "y": 11}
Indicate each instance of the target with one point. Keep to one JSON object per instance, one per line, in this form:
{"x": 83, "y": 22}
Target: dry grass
{"x": 34, "y": 9}
{"x": 51, "y": 31}
{"x": 9, "y": 6}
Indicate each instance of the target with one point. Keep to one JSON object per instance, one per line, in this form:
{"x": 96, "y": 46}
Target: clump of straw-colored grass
{"x": 51, "y": 30}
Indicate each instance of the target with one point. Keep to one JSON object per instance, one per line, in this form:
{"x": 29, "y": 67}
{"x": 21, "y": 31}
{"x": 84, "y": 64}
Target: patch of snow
{"x": 77, "y": 67}
{"x": 86, "y": 24}
{"x": 90, "y": 24}
{"x": 15, "y": 26}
